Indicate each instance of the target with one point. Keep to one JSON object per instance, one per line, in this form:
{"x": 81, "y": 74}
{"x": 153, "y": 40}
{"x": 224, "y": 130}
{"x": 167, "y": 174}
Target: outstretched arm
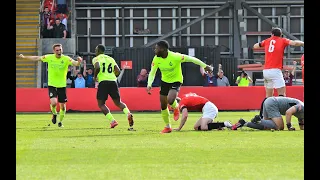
{"x": 183, "y": 119}
{"x": 186, "y": 58}
{"x": 259, "y": 45}
{"x": 29, "y": 58}
{"x": 296, "y": 43}
{"x": 256, "y": 46}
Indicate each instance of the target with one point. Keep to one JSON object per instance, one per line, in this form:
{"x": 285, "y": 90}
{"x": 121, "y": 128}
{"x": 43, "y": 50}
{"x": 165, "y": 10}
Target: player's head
{"x": 100, "y": 49}
{"x": 57, "y": 49}
{"x": 276, "y": 32}
{"x": 161, "y": 48}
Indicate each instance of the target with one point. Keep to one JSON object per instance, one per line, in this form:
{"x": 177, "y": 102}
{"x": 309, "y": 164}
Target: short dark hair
{"x": 163, "y": 44}
{"x": 101, "y": 48}
{"x": 276, "y": 31}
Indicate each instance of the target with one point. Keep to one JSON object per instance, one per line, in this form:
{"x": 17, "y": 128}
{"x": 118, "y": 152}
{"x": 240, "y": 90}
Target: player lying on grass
{"x": 192, "y": 101}
{"x": 273, "y": 109}
{"x": 169, "y": 64}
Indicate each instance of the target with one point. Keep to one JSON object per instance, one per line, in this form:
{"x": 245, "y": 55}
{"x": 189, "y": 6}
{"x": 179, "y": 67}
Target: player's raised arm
{"x": 29, "y": 58}
{"x": 186, "y": 58}
{"x": 258, "y": 45}
{"x": 202, "y": 71}
{"x": 152, "y": 74}
{"x": 296, "y": 43}
{"x": 76, "y": 62}
{"x": 183, "y": 118}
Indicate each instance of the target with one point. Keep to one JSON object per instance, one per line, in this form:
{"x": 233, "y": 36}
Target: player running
{"x": 106, "y": 71}
{"x": 192, "y": 101}
{"x": 273, "y": 109}
{"x": 57, "y": 72}
{"x": 169, "y": 64}
{"x": 272, "y": 73}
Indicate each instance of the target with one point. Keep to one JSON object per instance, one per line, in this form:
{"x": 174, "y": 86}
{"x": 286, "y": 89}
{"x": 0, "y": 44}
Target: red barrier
{"x": 137, "y": 99}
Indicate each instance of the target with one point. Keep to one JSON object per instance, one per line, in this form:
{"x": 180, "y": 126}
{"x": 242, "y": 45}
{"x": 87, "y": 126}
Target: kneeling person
{"x": 273, "y": 109}
{"x": 192, "y": 101}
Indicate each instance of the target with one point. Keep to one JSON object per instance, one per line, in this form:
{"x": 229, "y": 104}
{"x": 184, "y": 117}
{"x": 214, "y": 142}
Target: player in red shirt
{"x": 194, "y": 102}
{"x": 302, "y": 66}
{"x": 272, "y": 73}
{"x": 274, "y": 50}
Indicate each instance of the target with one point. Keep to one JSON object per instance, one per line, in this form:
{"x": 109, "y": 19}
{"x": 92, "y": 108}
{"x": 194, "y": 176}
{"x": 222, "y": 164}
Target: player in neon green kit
{"x": 57, "y": 78}
{"x": 169, "y": 64}
{"x": 106, "y": 71}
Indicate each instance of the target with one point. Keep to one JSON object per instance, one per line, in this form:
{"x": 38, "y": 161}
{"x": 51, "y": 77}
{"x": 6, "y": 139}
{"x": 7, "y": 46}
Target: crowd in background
{"x": 219, "y": 79}
{"x": 83, "y": 78}
{"x": 54, "y": 19}
{"x": 54, "y": 24}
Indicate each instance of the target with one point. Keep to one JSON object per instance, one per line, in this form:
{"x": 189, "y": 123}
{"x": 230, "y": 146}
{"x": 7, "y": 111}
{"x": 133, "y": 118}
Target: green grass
{"x": 86, "y": 148}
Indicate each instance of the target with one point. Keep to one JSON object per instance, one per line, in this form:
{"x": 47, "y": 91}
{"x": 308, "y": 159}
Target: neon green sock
{"x": 165, "y": 116}
{"x": 174, "y": 104}
{"x": 110, "y": 117}
{"x": 126, "y": 111}
{"x": 62, "y": 113}
{"x": 53, "y": 109}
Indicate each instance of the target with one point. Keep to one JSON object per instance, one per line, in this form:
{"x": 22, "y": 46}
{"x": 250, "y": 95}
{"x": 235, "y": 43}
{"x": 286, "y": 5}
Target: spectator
{"x": 45, "y": 18}
{"x": 222, "y": 80}
{"x": 58, "y": 29}
{"x": 209, "y": 78}
{"x": 88, "y": 75}
{"x": 62, "y": 6}
{"x": 71, "y": 76}
{"x": 64, "y": 20}
{"x": 142, "y": 78}
{"x": 288, "y": 77}
{"x": 243, "y": 79}
{"x": 79, "y": 82}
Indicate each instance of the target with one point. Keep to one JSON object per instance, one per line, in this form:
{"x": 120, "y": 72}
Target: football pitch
{"x": 86, "y": 148}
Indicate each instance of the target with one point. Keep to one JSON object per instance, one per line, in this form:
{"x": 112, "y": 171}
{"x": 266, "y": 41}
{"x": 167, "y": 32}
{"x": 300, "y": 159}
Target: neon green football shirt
{"x": 170, "y": 67}
{"x": 106, "y": 64}
{"x": 57, "y": 69}
{"x": 243, "y": 81}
